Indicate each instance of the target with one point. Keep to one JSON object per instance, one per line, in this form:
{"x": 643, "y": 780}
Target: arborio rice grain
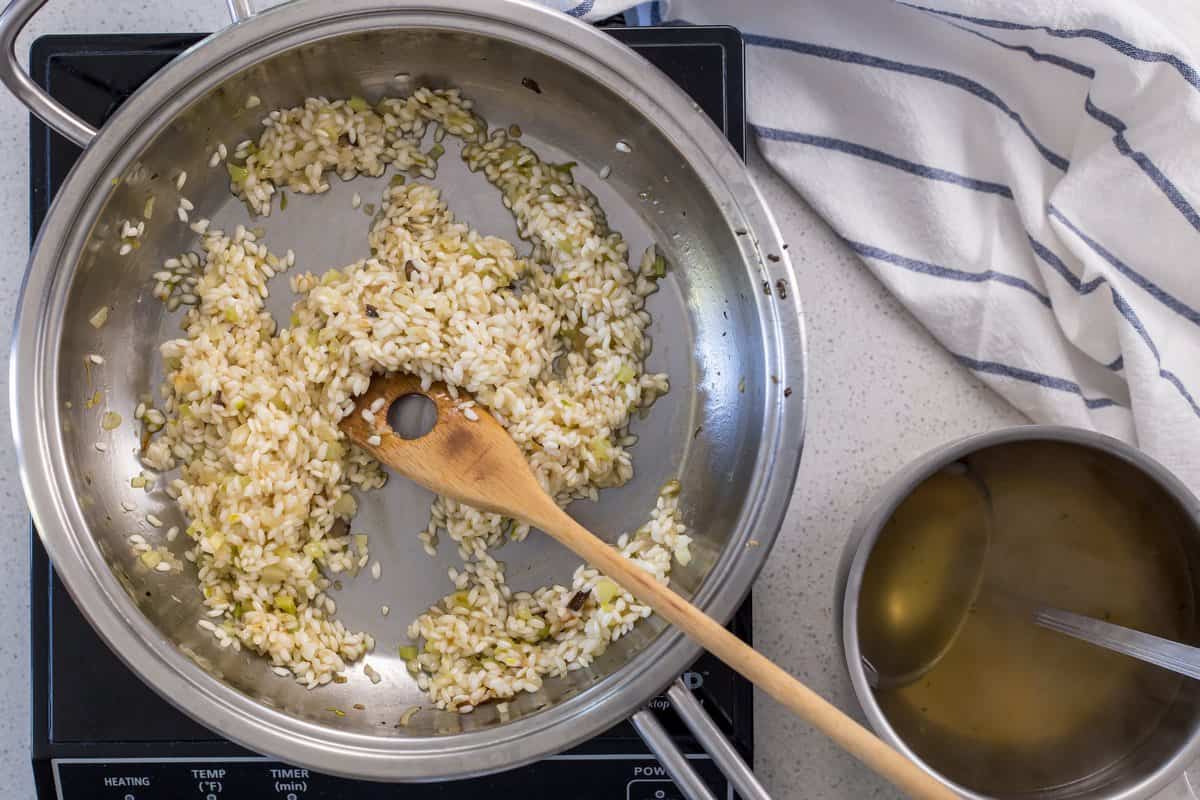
{"x": 552, "y": 345}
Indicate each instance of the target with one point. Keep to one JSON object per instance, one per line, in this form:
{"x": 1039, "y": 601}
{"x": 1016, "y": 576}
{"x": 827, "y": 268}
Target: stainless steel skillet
{"x": 731, "y": 428}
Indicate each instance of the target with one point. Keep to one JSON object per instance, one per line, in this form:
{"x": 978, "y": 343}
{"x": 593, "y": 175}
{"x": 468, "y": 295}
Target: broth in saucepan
{"x": 1012, "y": 707}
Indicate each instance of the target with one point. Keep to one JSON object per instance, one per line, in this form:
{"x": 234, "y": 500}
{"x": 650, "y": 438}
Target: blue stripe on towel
{"x": 932, "y": 73}
{"x": 1118, "y": 127}
{"x": 1120, "y": 45}
{"x": 1153, "y": 289}
{"x": 926, "y": 268}
{"x": 582, "y": 9}
{"x": 1127, "y": 312}
{"x": 1036, "y": 55}
{"x": 933, "y": 173}
{"x": 1048, "y": 381}
{"x": 1142, "y": 160}
{"x": 1056, "y": 263}
{"x": 878, "y": 156}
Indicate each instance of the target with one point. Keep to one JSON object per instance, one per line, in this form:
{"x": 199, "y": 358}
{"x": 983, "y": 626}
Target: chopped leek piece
{"x": 273, "y": 573}
{"x": 215, "y": 541}
{"x": 345, "y": 506}
{"x": 660, "y": 267}
{"x": 605, "y": 591}
{"x": 601, "y": 448}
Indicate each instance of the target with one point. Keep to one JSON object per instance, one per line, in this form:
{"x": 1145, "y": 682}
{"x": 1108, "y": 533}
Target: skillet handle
{"x": 13, "y": 19}
{"x": 670, "y": 756}
{"x": 240, "y": 9}
{"x": 46, "y": 108}
{"x": 723, "y": 753}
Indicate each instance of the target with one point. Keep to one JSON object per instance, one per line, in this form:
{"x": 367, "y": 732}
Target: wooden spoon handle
{"x": 752, "y": 665}
{"x": 469, "y": 456}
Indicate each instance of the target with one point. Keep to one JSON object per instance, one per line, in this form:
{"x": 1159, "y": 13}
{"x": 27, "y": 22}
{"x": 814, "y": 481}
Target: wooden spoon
{"x": 478, "y": 463}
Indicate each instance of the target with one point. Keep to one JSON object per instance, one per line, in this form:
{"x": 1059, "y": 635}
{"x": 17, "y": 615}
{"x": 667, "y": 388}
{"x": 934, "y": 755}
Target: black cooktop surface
{"x": 99, "y": 732}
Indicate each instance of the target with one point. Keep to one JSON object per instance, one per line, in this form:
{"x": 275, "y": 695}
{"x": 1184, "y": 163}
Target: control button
{"x": 652, "y": 789}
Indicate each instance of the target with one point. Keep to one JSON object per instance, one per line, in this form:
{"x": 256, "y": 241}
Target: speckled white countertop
{"x": 881, "y": 392}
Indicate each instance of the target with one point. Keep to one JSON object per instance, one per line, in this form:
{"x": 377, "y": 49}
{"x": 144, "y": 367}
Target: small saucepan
{"x": 938, "y": 587}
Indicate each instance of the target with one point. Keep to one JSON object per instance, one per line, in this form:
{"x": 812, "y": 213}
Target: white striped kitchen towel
{"x": 1024, "y": 176}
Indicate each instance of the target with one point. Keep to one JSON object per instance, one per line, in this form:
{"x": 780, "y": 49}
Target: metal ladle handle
{"x": 1175, "y": 656}
{"x": 12, "y": 21}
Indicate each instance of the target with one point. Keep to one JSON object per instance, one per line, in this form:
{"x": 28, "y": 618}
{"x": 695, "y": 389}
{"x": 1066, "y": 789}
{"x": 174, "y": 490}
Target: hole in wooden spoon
{"x": 412, "y": 416}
